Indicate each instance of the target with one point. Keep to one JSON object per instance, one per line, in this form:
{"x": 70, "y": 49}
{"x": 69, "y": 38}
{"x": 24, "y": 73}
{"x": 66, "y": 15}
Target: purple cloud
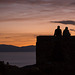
{"x": 65, "y": 22}
{"x": 72, "y": 30}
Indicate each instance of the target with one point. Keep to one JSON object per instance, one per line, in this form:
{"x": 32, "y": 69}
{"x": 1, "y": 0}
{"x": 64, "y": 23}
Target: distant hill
{"x": 11, "y": 48}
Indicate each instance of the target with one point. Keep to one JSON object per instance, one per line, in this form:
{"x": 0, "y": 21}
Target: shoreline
{"x": 55, "y": 68}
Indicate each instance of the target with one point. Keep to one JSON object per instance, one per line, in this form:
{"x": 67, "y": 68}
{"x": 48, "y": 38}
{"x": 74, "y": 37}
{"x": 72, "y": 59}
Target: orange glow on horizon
{"x": 21, "y": 23}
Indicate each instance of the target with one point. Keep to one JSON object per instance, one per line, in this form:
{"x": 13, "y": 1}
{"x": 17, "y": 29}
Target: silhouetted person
{"x": 58, "y": 31}
{"x": 7, "y": 63}
{"x": 66, "y": 32}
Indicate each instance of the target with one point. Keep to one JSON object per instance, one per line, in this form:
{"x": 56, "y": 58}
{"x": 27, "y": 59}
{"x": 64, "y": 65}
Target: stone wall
{"x": 55, "y": 49}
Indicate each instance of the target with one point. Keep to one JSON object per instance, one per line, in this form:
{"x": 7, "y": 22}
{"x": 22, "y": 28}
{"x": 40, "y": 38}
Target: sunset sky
{"x": 22, "y": 20}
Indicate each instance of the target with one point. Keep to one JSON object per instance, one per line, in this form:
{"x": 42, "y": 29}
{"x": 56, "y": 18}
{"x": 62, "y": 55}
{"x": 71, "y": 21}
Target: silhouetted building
{"x": 66, "y": 32}
{"x": 55, "y": 49}
{"x": 58, "y": 31}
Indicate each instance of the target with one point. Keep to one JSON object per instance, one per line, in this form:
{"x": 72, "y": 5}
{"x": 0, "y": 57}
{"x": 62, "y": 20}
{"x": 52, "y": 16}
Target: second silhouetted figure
{"x": 66, "y": 32}
{"x": 58, "y": 31}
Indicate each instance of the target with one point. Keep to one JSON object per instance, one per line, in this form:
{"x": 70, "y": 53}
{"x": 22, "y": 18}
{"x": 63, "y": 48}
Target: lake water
{"x": 18, "y": 58}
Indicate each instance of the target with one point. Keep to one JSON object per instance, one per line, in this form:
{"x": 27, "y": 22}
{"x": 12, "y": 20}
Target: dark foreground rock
{"x": 54, "y": 68}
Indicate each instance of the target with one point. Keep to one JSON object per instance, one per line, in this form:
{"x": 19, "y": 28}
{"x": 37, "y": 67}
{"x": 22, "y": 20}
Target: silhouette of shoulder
{"x": 66, "y": 32}
{"x": 58, "y": 32}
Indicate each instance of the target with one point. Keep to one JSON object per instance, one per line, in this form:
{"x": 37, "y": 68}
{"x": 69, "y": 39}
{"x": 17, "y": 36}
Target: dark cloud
{"x": 54, "y": 2}
{"x": 73, "y": 4}
{"x": 65, "y": 22}
{"x": 48, "y": 2}
{"x": 24, "y": 1}
{"x": 72, "y": 30}
{"x": 9, "y": 1}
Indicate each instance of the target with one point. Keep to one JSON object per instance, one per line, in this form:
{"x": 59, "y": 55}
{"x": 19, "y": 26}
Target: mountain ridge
{"x": 11, "y": 48}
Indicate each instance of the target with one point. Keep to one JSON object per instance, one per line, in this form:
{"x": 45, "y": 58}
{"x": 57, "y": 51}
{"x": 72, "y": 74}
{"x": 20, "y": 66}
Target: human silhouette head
{"x": 66, "y": 28}
{"x": 58, "y": 27}
{"x": 66, "y": 32}
{"x": 58, "y": 31}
